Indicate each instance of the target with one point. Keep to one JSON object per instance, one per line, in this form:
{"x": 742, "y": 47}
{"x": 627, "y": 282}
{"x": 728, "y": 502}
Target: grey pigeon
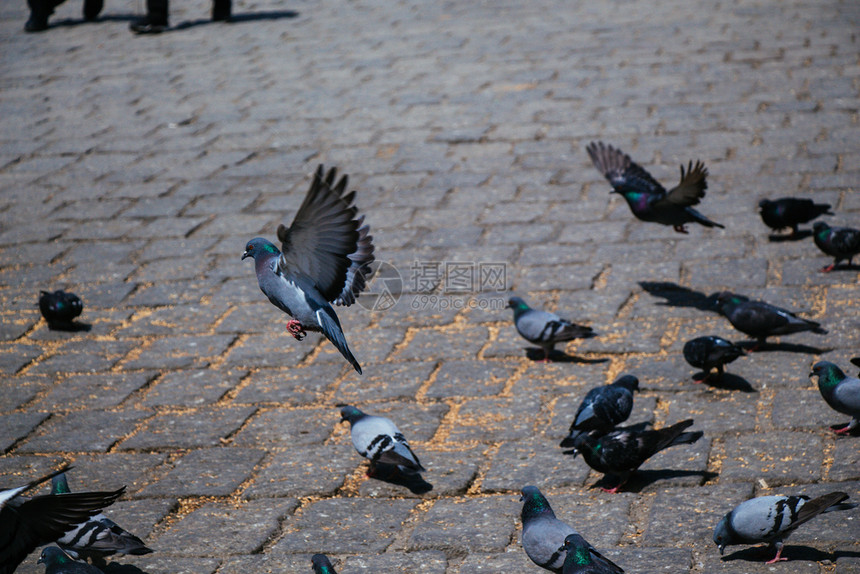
{"x": 544, "y": 534}
{"x": 327, "y": 252}
{"x": 380, "y": 441}
{"x": 761, "y": 320}
{"x": 580, "y": 558}
{"x": 98, "y": 536}
{"x": 839, "y": 242}
{"x": 621, "y": 452}
{"x": 322, "y": 565}
{"x": 790, "y": 212}
{"x": 58, "y": 562}
{"x": 840, "y": 391}
{"x": 28, "y": 523}
{"x": 772, "y": 519}
{"x": 711, "y": 352}
{"x": 648, "y": 200}
{"x": 543, "y": 328}
{"x": 603, "y": 408}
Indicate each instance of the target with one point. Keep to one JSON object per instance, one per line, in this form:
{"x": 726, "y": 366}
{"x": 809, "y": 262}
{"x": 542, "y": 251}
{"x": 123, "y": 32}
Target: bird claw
{"x": 843, "y": 430}
{"x": 827, "y": 268}
{"x": 680, "y": 229}
{"x": 296, "y": 330}
{"x": 776, "y": 559}
{"x": 612, "y": 490}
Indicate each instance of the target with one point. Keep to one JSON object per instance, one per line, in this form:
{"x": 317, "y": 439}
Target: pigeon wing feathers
{"x": 622, "y": 172}
{"x": 359, "y": 271}
{"x": 847, "y": 394}
{"x": 816, "y": 506}
{"x": 691, "y": 189}
{"x": 322, "y": 235}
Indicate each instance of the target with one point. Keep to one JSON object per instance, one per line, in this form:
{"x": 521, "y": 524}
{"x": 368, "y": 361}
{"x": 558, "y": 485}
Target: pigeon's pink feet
{"x": 612, "y": 490}
{"x": 680, "y": 229}
{"x": 828, "y": 268}
{"x": 777, "y": 558}
{"x": 844, "y": 430}
{"x": 296, "y": 330}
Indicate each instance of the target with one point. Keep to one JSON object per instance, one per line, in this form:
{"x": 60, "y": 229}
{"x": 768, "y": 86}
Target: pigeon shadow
{"x": 239, "y": 18}
{"x": 679, "y": 296}
{"x": 392, "y": 474}
{"x": 765, "y": 553}
{"x": 66, "y": 22}
{"x": 786, "y": 347}
{"x": 800, "y": 235}
{"x": 536, "y": 354}
{"x": 73, "y": 327}
{"x": 726, "y": 382}
{"x": 643, "y": 478}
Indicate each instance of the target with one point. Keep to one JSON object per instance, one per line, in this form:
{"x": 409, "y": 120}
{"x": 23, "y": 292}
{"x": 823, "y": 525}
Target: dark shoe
{"x": 221, "y": 10}
{"x": 92, "y": 9}
{"x": 36, "y": 23}
{"x": 147, "y": 26}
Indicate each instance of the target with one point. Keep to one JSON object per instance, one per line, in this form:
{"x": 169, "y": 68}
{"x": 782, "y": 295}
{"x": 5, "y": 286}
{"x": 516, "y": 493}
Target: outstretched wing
{"x": 323, "y": 235}
{"x": 691, "y": 189}
{"x": 622, "y": 172}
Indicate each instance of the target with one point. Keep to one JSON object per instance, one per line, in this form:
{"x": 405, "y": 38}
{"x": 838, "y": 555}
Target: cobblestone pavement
{"x": 134, "y": 169}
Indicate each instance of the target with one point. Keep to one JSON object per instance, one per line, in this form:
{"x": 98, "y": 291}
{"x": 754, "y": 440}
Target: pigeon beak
{"x": 575, "y": 453}
{"x": 722, "y": 549}
{"x": 245, "y": 255}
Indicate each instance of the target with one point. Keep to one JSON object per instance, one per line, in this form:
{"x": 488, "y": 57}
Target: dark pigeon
{"x": 621, "y": 452}
{"x": 380, "y": 441}
{"x": 648, "y": 200}
{"x": 603, "y": 408}
{"x": 841, "y": 243}
{"x": 60, "y": 308}
{"x": 790, "y": 212}
{"x": 28, "y": 523}
{"x": 761, "y": 320}
{"x": 327, "y": 252}
{"x": 58, "y": 562}
{"x": 772, "y": 519}
{"x": 580, "y": 558}
{"x": 543, "y": 328}
{"x": 97, "y": 537}
{"x": 711, "y": 352}
{"x": 856, "y": 362}
{"x": 322, "y": 565}
{"x": 544, "y": 534}
{"x": 840, "y": 391}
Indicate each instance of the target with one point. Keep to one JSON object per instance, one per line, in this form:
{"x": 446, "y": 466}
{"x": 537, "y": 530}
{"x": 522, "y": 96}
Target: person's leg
{"x": 155, "y": 20}
{"x": 40, "y": 10}
{"x": 92, "y": 9}
{"x": 221, "y": 10}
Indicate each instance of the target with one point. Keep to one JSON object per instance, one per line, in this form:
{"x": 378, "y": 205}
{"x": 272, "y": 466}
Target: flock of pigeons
{"x": 326, "y": 258}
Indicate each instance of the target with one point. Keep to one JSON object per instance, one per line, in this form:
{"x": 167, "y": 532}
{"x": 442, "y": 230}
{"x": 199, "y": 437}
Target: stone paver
{"x": 133, "y": 170}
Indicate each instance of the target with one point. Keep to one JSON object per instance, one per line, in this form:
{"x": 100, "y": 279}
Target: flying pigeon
{"x": 711, "y": 352}
{"x": 648, "y": 200}
{"x": 327, "y": 252}
{"x": 579, "y": 558}
{"x": 840, "y": 391}
{"x": 544, "y": 534}
{"x": 772, "y": 519}
{"x": 380, "y": 441}
{"x": 603, "y": 408}
{"x": 58, "y": 562}
{"x": 621, "y": 452}
{"x": 322, "y": 565}
{"x": 28, "y": 523}
{"x": 839, "y": 242}
{"x": 544, "y": 328}
{"x": 761, "y": 320}
{"x": 790, "y": 212}
{"x": 59, "y": 308}
{"x": 98, "y": 536}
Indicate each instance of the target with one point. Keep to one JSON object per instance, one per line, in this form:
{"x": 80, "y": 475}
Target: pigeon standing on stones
{"x": 761, "y": 320}
{"x": 621, "y": 452}
{"x": 839, "y": 242}
{"x": 59, "y": 308}
{"x": 326, "y": 257}
{"x": 28, "y": 523}
{"x": 580, "y": 560}
{"x": 322, "y": 565}
{"x": 603, "y": 408}
{"x": 840, "y": 391}
{"x": 543, "y": 328}
{"x": 97, "y": 537}
{"x": 648, "y": 200}
{"x": 380, "y": 441}
{"x": 544, "y": 534}
{"x": 58, "y": 562}
{"x": 772, "y": 519}
{"x": 790, "y": 212}
{"x": 711, "y": 352}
